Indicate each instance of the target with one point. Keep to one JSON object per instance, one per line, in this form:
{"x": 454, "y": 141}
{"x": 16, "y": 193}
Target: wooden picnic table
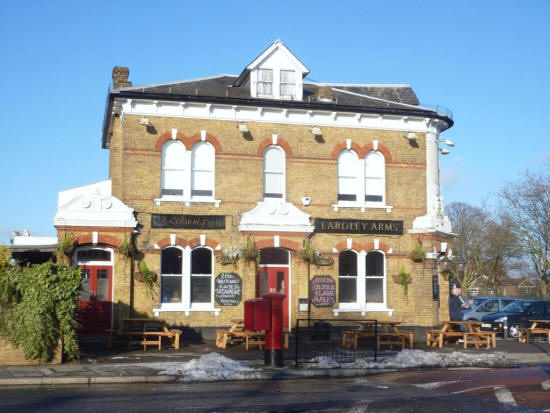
{"x": 469, "y": 331}
{"x": 146, "y": 331}
{"x": 538, "y": 327}
{"x": 386, "y": 333}
{"x": 235, "y": 332}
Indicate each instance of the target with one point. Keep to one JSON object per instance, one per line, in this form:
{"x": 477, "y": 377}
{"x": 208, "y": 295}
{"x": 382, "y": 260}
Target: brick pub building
{"x": 265, "y": 160}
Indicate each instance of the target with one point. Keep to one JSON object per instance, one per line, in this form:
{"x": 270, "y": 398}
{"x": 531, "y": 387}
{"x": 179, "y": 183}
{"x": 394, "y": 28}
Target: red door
{"x": 94, "y": 306}
{"x": 274, "y": 279}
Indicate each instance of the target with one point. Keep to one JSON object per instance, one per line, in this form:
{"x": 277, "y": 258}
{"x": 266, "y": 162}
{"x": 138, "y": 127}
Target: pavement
{"x": 99, "y": 365}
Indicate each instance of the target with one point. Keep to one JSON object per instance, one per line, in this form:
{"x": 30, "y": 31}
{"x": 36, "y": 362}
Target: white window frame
{"x": 200, "y": 169}
{"x": 186, "y": 305}
{"x": 266, "y": 173}
{"x": 361, "y": 305}
{"x": 187, "y": 197}
{"x": 360, "y": 201}
{"x": 355, "y": 176}
{"x": 265, "y": 82}
{"x": 474, "y": 291}
{"x": 381, "y": 176}
{"x": 281, "y": 84}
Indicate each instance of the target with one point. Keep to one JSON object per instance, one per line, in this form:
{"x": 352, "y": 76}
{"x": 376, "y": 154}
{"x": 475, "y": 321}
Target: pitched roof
{"x": 221, "y": 86}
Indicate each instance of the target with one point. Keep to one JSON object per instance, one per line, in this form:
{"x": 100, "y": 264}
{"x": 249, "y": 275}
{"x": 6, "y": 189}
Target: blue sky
{"x": 489, "y": 62}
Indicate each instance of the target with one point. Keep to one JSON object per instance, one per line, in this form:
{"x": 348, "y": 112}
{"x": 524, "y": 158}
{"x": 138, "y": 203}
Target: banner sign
{"x": 358, "y": 226}
{"x": 323, "y": 291}
{"x": 228, "y": 289}
{"x": 188, "y": 221}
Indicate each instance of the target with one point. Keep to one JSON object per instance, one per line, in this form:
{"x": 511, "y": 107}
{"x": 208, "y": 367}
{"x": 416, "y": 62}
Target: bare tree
{"x": 500, "y": 249}
{"x": 526, "y": 212}
{"x": 469, "y": 224}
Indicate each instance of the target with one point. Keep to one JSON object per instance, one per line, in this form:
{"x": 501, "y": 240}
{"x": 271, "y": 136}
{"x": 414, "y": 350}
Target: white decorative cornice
{"x": 199, "y": 110}
{"x": 275, "y": 216}
{"x": 93, "y": 206}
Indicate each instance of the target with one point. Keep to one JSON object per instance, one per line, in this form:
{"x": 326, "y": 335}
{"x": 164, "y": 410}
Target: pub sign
{"x": 188, "y": 221}
{"x": 358, "y": 226}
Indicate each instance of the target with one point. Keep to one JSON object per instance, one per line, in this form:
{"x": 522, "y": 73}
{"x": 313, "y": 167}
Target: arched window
{"x": 374, "y": 277}
{"x": 201, "y": 275}
{"x": 202, "y": 163}
{"x": 374, "y": 177}
{"x": 348, "y": 168}
{"x": 274, "y": 173}
{"x": 347, "y": 277}
{"x": 173, "y": 168}
{"x": 171, "y": 275}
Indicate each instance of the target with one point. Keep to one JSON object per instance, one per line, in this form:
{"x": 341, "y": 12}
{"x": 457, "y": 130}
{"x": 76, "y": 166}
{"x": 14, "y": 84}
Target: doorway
{"x": 273, "y": 276}
{"x": 95, "y": 304}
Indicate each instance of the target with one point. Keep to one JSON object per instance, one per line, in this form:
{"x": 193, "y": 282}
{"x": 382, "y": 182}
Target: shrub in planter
{"x": 230, "y": 255}
{"x": 146, "y": 276}
{"x": 125, "y": 248}
{"x": 250, "y": 252}
{"x": 417, "y": 255}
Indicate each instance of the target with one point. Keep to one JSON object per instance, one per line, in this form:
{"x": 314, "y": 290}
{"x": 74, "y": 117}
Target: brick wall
{"x": 311, "y": 170}
{"x": 11, "y": 356}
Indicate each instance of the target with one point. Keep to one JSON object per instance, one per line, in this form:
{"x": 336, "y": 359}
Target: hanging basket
{"x": 396, "y": 278}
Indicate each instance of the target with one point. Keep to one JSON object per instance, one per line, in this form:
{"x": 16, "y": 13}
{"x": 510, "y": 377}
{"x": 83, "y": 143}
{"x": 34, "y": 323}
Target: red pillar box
{"x": 257, "y": 315}
{"x": 274, "y": 336}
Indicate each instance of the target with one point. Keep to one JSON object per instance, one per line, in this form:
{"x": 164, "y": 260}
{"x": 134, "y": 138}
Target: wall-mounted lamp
{"x": 410, "y": 136}
{"x": 144, "y": 121}
{"x": 243, "y": 128}
{"x": 444, "y": 151}
{"x": 447, "y": 142}
{"x": 316, "y": 130}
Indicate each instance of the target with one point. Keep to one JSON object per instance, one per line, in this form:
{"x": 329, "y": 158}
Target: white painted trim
{"x": 199, "y": 110}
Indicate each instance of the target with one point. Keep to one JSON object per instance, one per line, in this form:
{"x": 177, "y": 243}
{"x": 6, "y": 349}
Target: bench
{"x": 390, "y": 339}
{"x": 525, "y": 334}
{"x": 350, "y": 338}
{"x": 250, "y": 338}
{"x": 477, "y": 339}
{"x": 143, "y": 336}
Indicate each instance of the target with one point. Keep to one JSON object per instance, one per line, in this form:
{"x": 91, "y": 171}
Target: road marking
{"x": 435, "y": 384}
{"x": 505, "y": 396}
{"x": 472, "y": 389}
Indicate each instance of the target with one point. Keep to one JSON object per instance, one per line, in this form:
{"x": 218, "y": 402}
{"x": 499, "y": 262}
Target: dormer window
{"x": 265, "y": 82}
{"x": 274, "y": 74}
{"x": 287, "y": 84}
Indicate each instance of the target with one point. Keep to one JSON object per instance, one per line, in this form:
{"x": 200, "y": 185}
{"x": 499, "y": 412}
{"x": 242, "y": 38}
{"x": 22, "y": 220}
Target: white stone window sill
{"x": 186, "y": 310}
{"x": 364, "y": 310}
{"x": 188, "y": 202}
{"x": 362, "y": 207}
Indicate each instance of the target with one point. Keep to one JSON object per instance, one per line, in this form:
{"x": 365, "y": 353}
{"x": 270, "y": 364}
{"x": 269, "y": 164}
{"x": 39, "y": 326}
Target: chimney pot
{"x": 323, "y": 94}
{"x": 120, "y": 77}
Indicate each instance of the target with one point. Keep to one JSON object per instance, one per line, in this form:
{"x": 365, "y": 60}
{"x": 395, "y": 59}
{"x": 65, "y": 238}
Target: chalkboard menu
{"x": 323, "y": 291}
{"x": 228, "y": 289}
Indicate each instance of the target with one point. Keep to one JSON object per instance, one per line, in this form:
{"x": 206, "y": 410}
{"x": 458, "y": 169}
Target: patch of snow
{"x": 212, "y": 367}
{"x": 418, "y": 358}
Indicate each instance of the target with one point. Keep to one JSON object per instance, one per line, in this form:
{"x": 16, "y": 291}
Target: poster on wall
{"x": 228, "y": 289}
{"x": 323, "y": 291}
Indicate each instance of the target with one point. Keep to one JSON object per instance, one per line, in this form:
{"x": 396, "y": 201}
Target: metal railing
{"x": 317, "y": 338}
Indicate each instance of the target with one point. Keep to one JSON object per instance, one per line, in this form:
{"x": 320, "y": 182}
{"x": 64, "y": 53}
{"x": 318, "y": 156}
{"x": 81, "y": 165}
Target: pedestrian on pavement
{"x": 455, "y": 305}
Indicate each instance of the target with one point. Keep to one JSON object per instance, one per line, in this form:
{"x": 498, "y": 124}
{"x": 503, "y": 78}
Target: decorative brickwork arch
{"x": 280, "y": 142}
{"x": 343, "y": 145}
{"x": 381, "y": 148}
{"x": 283, "y": 243}
{"x": 196, "y": 242}
{"x": 354, "y": 246}
{"x": 165, "y": 242}
{"x": 101, "y": 239}
{"x": 167, "y": 136}
{"x": 209, "y": 138}
{"x": 381, "y": 247}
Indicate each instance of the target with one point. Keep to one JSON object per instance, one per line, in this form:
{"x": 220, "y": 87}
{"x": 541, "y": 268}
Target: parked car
{"x": 487, "y": 305}
{"x": 516, "y": 315}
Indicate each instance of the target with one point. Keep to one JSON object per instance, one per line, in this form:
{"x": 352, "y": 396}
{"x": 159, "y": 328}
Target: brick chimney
{"x": 323, "y": 94}
{"x": 120, "y": 77}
